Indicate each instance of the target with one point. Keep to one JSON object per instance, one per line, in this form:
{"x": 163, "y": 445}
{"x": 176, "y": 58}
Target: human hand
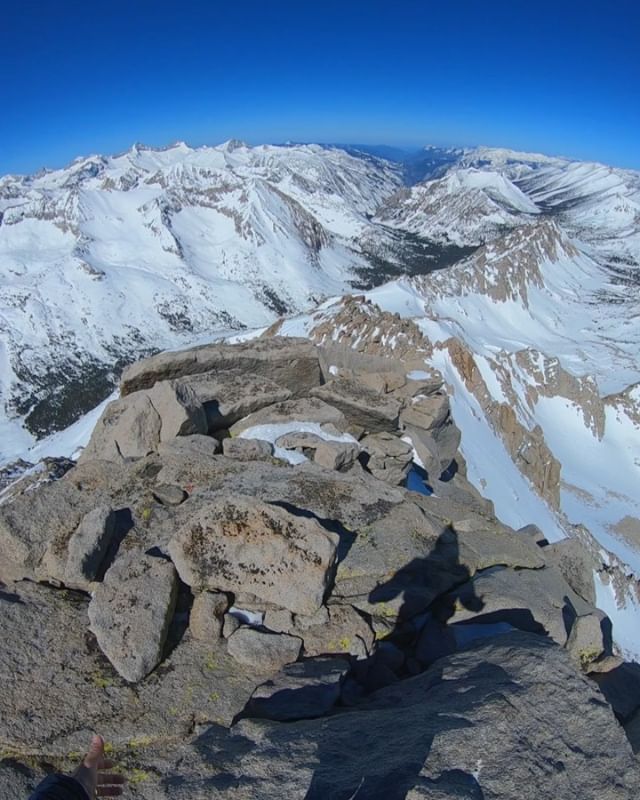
{"x": 92, "y": 777}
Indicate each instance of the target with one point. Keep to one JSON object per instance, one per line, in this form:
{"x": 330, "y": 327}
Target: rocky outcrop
{"x": 88, "y": 546}
{"x": 389, "y": 457}
{"x": 527, "y": 447}
{"x": 263, "y": 650}
{"x": 303, "y": 690}
{"x": 229, "y": 586}
{"x": 308, "y": 409}
{"x": 130, "y": 613}
{"x": 128, "y": 428}
{"x": 247, "y": 449}
{"x": 290, "y": 363}
{"x": 135, "y": 425}
{"x": 506, "y": 267}
{"x": 229, "y": 395}
{"x": 41, "y": 521}
{"x": 539, "y": 601}
{"x": 358, "y": 326}
{"x": 233, "y": 544}
{"x": 207, "y": 615}
{"x": 515, "y": 699}
{"x": 363, "y": 407}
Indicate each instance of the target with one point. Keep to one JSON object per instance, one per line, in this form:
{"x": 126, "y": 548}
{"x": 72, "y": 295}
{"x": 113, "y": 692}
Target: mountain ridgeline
{"x": 364, "y": 520}
{"x": 115, "y": 257}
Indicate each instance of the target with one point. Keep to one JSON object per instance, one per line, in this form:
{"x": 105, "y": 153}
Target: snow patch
{"x": 625, "y": 617}
{"x": 272, "y": 432}
{"x": 253, "y": 618}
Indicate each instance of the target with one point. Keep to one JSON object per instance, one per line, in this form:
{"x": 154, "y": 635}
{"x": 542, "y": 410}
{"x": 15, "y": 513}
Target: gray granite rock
{"x": 586, "y": 642}
{"x": 131, "y": 610}
{"x": 361, "y": 406}
{"x": 180, "y": 411}
{"x": 336, "y": 455}
{"x": 538, "y": 600}
{"x": 345, "y": 631}
{"x": 207, "y": 614}
{"x": 577, "y": 565}
{"x": 308, "y": 409}
{"x": 40, "y": 523}
{"x": 289, "y": 362}
{"x": 230, "y": 395}
{"x": 247, "y": 449}
{"x": 194, "y": 444}
{"x": 88, "y": 545}
{"x": 426, "y": 412}
{"x": 508, "y": 718}
{"x": 234, "y": 543}
{"x": 128, "y": 428}
{"x": 169, "y": 494}
{"x": 267, "y": 652}
{"x": 303, "y": 690}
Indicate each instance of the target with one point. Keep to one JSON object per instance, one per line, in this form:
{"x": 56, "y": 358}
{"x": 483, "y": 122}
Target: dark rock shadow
{"x": 179, "y": 621}
{"x": 452, "y": 783}
{"x": 621, "y": 688}
{"x": 9, "y": 597}
{"x": 436, "y": 573}
{"x": 569, "y": 614}
{"x": 418, "y": 481}
{"x": 351, "y": 767}
{"x": 352, "y": 772}
{"x": 450, "y": 472}
{"x": 123, "y": 524}
{"x": 347, "y": 537}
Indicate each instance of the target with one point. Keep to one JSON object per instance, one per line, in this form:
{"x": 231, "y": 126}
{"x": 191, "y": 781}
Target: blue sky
{"x": 96, "y": 76}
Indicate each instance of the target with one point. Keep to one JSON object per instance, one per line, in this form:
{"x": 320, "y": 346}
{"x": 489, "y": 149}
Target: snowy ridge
{"x": 466, "y": 206}
{"x": 547, "y": 345}
{"x": 113, "y": 257}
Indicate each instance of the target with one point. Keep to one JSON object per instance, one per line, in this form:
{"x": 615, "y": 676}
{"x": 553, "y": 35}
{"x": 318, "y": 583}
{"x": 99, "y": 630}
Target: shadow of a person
{"x": 421, "y": 586}
{"x": 424, "y": 585}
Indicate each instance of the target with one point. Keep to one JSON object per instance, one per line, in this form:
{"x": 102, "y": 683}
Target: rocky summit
{"x": 250, "y": 588}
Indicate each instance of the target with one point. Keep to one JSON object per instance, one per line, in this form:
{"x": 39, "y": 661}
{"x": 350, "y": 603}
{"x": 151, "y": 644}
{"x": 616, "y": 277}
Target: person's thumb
{"x": 95, "y": 754}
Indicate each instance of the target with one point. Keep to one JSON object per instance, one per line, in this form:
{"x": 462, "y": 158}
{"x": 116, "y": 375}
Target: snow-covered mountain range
{"x": 533, "y": 315}
{"x": 113, "y": 257}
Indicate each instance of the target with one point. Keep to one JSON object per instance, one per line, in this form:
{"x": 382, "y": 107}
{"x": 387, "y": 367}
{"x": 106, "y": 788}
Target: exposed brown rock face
{"x": 628, "y": 400}
{"x": 359, "y": 324}
{"x": 504, "y": 268}
{"x": 527, "y": 447}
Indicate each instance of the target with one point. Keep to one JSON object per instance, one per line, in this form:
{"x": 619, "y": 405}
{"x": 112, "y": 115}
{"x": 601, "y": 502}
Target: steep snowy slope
{"x": 529, "y": 307}
{"x": 466, "y": 206}
{"x": 598, "y": 204}
{"x": 112, "y": 257}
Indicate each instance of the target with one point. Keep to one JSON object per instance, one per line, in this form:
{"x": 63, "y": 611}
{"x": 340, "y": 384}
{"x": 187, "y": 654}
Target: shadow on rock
{"x": 411, "y": 585}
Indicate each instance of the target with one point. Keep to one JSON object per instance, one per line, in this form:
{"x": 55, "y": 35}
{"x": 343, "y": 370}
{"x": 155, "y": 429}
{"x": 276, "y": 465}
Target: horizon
{"x": 408, "y": 149}
{"x": 96, "y": 79}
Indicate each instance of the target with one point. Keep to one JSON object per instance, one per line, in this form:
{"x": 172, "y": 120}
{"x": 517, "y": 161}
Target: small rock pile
{"x": 236, "y": 544}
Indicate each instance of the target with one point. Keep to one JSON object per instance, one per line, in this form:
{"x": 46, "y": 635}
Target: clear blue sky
{"x": 86, "y": 76}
